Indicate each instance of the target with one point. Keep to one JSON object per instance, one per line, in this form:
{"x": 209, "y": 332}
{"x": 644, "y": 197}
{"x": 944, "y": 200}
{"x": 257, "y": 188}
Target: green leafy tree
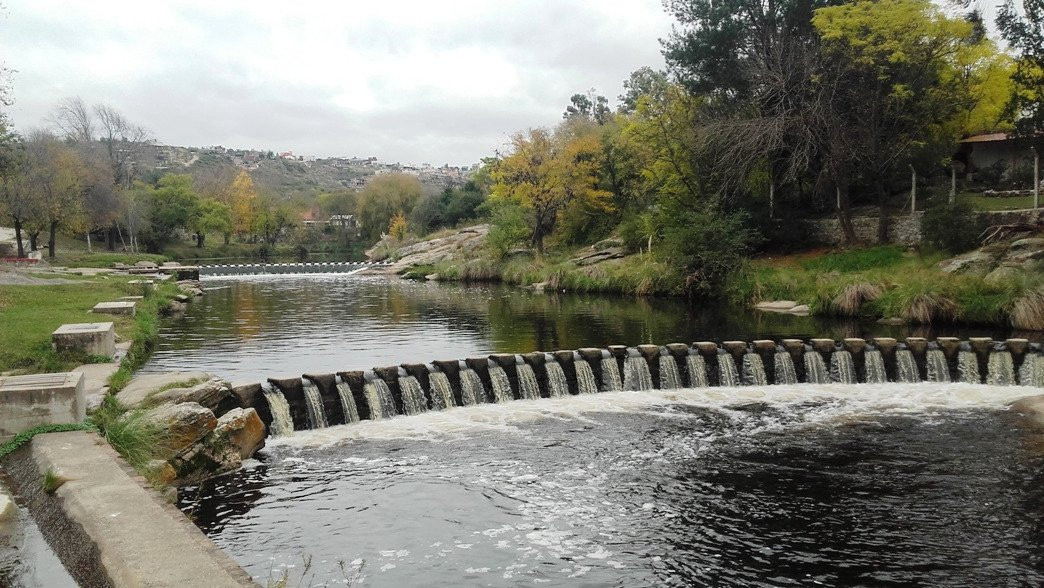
{"x": 384, "y": 197}
{"x": 1024, "y": 32}
{"x": 212, "y": 217}
{"x": 169, "y": 206}
{"x": 273, "y": 219}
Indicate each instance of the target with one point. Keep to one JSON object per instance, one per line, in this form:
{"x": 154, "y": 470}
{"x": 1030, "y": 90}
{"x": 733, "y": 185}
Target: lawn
{"x": 29, "y": 314}
{"x": 982, "y": 202}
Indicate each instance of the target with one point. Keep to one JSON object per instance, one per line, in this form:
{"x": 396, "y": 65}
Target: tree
{"x": 15, "y": 197}
{"x": 272, "y": 218}
{"x": 644, "y": 81}
{"x": 212, "y": 217}
{"x": 1024, "y": 32}
{"x": 55, "y": 175}
{"x": 546, "y": 172}
{"x": 241, "y": 199}
{"x": 169, "y": 206}
{"x": 590, "y": 106}
{"x": 74, "y": 121}
{"x": 384, "y": 197}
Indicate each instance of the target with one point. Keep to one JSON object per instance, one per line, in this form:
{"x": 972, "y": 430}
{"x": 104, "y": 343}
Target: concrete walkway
{"x": 137, "y": 539}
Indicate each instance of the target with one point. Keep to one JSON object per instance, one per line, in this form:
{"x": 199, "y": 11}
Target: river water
{"x": 832, "y": 485}
{"x": 249, "y": 329}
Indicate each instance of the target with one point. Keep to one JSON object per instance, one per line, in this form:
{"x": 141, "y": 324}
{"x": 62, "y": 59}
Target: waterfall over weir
{"x": 842, "y": 368}
{"x": 785, "y": 371}
{"x": 636, "y": 374}
{"x": 754, "y": 370}
{"x": 441, "y": 391}
{"x": 351, "y": 412}
{"x": 697, "y": 368}
{"x": 938, "y": 369}
{"x": 282, "y": 424}
{"x": 314, "y": 401}
{"x": 528, "y": 386}
{"x": 471, "y": 389}
{"x": 379, "y": 397}
{"x": 1001, "y": 370}
{"x": 611, "y": 380}
{"x": 501, "y": 384}
{"x": 727, "y": 373}
{"x": 815, "y": 368}
{"x": 585, "y": 378}
{"x": 413, "y": 400}
{"x": 317, "y": 400}
{"x": 875, "y": 367}
{"x": 906, "y": 367}
{"x": 669, "y": 376}
{"x": 557, "y": 384}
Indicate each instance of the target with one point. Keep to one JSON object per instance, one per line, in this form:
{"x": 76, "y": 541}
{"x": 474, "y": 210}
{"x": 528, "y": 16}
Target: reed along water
{"x": 932, "y": 484}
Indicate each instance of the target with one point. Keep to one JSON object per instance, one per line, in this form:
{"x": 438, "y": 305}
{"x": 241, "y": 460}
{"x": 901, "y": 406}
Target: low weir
{"x": 260, "y": 269}
{"x": 321, "y": 400}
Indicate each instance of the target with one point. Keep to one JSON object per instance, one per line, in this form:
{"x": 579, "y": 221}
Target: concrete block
{"x": 41, "y": 399}
{"x": 90, "y": 338}
{"x": 132, "y": 298}
{"x": 122, "y": 307}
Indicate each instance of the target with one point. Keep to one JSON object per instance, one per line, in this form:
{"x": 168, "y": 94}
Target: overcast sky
{"x": 410, "y": 81}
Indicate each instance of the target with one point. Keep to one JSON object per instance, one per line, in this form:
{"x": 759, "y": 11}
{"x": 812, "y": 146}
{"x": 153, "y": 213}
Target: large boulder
{"x": 185, "y": 423}
{"x": 204, "y": 460}
{"x": 974, "y": 263}
{"x": 242, "y": 429}
{"x": 1003, "y": 274}
{"x": 144, "y": 386}
{"x": 211, "y": 394}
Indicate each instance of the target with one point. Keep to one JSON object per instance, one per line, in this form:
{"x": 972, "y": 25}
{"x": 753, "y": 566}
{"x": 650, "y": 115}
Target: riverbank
{"x": 1000, "y": 285}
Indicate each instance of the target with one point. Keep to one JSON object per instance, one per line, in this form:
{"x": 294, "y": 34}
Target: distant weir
{"x": 320, "y": 400}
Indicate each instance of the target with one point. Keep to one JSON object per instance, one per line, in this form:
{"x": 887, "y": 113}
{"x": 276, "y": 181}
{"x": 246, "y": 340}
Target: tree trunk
{"x": 50, "y": 239}
{"x": 199, "y": 240}
{"x": 111, "y": 237}
{"x": 18, "y": 237}
{"x": 34, "y": 236}
{"x": 844, "y": 215}
{"x": 882, "y": 217}
{"x": 228, "y": 236}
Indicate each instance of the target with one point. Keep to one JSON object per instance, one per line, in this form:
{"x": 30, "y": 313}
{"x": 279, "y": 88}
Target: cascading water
{"x": 501, "y": 384}
{"x": 816, "y": 371}
{"x": 728, "y": 375}
{"x": 1001, "y": 369}
{"x": 875, "y": 367}
{"x": 351, "y": 412}
{"x": 697, "y": 369}
{"x": 670, "y": 378}
{"x": 557, "y": 384}
{"x": 636, "y": 374}
{"x": 842, "y": 368}
{"x": 754, "y": 370}
{"x": 906, "y": 367}
{"x": 968, "y": 368}
{"x": 938, "y": 369}
{"x": 314, "y": 403}
{"x": 585, "y": 378}
{"x": 282, "y": 423}
{"x": 441, "y": 391}
{"x": 786, "y": 373}
{"x": 528, "y": 386}
{"x": 379, "y": 397}
{"x": 471, "y": 389}
{"x": 413, "y": 399}
{"x": 611, "y": 380}
{"x": 1031, "y": 373}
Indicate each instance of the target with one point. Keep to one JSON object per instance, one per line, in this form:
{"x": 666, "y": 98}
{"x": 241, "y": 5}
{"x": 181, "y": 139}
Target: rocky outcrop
{"x": 212, "y": 394}
{"x": 1002, "y": 262}
{"x": 243, "y": 429}
{"x": 185, "y": 423}
{"x": 591, "y": 256}
{"x": 460, "y": 243}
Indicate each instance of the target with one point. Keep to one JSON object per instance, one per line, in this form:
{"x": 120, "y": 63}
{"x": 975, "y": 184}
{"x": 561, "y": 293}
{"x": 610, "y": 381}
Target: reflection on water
{"x": 813, "y": 486}
{"x": 250, "y": 328}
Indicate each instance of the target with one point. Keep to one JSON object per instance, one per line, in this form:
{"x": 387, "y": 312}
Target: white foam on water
{"x": 804, "y": 403}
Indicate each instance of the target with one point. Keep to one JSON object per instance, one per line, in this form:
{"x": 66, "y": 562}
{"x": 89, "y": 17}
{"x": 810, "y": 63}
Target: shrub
{"x": 508, "y": 226}
{"x": 709, "y": 243}
{"x": 954, "y": 228}
{"x": 851, "y": 298}
{"x": 133, "y": 436}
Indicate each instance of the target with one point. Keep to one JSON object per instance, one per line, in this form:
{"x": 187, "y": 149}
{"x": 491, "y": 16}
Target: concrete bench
{"x": 122, "y": 307}
{"x": 40, "y": 399}
{"x": 90, "y": 338}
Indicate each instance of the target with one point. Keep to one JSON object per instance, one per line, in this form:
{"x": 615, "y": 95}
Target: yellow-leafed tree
{"x": 241, "y": 197}
{"x": 544, "y": 173}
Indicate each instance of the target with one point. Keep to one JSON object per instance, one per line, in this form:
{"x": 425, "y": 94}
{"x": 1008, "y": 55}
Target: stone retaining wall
{"x": 906, "y": 229}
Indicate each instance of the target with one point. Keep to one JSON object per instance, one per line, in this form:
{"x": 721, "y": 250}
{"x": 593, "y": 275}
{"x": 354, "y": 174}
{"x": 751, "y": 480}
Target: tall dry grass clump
{"x": 929, "y": 307}
{"x": 852, "y": 297}
{"x": 1028, "y": 311}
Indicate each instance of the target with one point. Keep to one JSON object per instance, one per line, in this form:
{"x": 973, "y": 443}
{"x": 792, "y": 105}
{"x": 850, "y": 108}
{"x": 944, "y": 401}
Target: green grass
{"x": 52, "y": 481}
{"x": 133, "y": 436}
{"x": 858, "y": 259}
{"x": 982, "y": 202}
{"x": 144, "y": 333}
{"x": 29, "y": 314}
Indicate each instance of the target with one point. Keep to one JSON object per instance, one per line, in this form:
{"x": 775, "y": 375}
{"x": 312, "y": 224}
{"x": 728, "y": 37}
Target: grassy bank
{"x": 637, "y": 274}
{"x": 30, "y": 314}
{"x": 888, "y": 282}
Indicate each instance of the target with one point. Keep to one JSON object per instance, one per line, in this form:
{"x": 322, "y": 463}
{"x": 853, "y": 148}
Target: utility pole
{"x": 838, "y": 189}
{"x": 953, "y": 183}
{"x": 913, "y": 190}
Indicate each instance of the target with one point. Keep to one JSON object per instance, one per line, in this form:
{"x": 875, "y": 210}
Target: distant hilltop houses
{"x": 283, "y": 166}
